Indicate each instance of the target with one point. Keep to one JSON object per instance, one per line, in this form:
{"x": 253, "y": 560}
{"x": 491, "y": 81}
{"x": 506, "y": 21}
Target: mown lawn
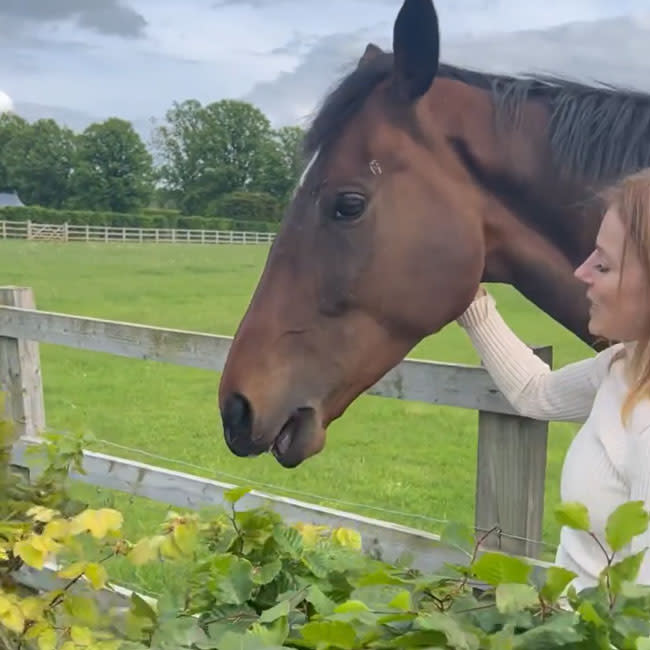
{"x": 383, "y": 458}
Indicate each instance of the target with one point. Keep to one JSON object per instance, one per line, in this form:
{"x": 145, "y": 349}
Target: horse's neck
{"x": 538, "y": 246}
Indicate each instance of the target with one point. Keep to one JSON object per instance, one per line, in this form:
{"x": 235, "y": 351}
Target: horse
{"x": 424, "y": 180}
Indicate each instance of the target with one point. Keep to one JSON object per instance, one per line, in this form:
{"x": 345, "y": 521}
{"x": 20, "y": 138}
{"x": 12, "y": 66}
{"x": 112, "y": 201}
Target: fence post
{"x": 4, "y": 229}
{"x": 510, "y": 477}
{"x": 20, "y": 372}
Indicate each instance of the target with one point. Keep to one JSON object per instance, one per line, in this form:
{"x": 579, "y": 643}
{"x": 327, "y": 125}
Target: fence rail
{"x": 65, "y": 232}
{"x": 511, "y": 456}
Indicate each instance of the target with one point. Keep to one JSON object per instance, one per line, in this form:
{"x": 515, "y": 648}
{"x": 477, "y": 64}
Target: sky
{"x": 82, "y": 60}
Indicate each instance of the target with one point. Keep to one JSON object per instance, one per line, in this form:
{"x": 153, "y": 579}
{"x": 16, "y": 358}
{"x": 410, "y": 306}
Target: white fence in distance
{"x": 65, "y": 232}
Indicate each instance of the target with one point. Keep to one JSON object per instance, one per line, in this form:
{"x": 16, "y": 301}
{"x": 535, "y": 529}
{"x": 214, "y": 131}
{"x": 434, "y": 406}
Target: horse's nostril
{"x": 237, "y": 418}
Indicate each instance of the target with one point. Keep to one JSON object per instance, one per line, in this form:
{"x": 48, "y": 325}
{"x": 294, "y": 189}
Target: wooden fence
{"x": 511, "y": 456}
{"x": 73, "y": 233}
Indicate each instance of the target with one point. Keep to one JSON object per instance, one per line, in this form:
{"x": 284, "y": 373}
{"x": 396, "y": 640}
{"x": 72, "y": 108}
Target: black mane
{"x": 598, "y": 132}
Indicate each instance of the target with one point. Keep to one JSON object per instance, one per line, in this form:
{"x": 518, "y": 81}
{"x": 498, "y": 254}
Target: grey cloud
{"x": 111, "y": 17}
{"x": 290, "y": 98}
{"x": 574, "y": 50}
{"x": 295, "y": 45}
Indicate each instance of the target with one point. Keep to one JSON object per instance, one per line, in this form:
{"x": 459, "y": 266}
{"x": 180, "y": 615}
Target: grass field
{"x": 405, "y": 457}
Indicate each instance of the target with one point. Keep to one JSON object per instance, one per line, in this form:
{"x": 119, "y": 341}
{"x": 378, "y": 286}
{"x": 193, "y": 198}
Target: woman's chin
{"x": 593, "y": 327}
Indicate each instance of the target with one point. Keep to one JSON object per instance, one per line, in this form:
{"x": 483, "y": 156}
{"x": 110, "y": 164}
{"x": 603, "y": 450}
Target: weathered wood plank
{"x": 112, "y": 337}
{"x": 20, "y": 371}
{"x": 427, "y": 381}
{"x": 510, "y": 477}
{"x": 380, "y": 539}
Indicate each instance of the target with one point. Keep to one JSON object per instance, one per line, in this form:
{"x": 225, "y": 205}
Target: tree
{"x": 39, "y": 162}
{"x": 11, "y": 128}
{"x": 212, "y": 151}
{"x": 113, "y": 171}
{"x": 284, "y": 163}
{"x": 181, "y": 149}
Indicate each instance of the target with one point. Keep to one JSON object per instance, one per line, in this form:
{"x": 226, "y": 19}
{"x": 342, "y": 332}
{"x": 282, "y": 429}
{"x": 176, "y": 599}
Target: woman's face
{"x": 618, "y": 290}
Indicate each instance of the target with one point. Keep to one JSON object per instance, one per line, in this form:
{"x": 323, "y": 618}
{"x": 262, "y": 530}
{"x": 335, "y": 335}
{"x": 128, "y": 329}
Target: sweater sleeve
{"x": 527, "y": 382}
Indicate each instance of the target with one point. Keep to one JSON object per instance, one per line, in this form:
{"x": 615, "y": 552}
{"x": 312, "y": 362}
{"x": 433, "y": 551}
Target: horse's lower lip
{"x": 290, "y": 446}
{"x": 281, "y": 444}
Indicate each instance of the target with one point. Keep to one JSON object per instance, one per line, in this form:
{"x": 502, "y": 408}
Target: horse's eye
{"x": 349, "y": 206}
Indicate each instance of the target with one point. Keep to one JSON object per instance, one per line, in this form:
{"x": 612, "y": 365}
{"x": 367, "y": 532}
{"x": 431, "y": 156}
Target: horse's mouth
{"x": 300, "y": 437}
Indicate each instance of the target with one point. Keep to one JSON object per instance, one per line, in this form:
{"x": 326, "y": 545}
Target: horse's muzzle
{"x": 300, "y": 436}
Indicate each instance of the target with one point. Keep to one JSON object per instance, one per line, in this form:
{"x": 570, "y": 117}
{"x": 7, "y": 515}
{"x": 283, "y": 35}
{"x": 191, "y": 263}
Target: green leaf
{"x": 31, "y": 555}
{"x": 330, "y": 634}
{"x": 458, "y": 536}
{"x": 47, "y": 639}
{"x": 626, "y": 522}
{"x": 557, "y": 579}
{"x": 511, "y": 598}
{"x": 238, "y": 641}
{"x": 457, "y": 637}
{"x": 322, "y": 604}
{"x": 280, "y": 610}
{"x": 271, "y": 635}
{"x": 234, "y": 495}
{"x": 420, "y": 639}
{"x": 627, "y": 570}
{"x": 97, "y": 575}
{"x": 573, "y": 514}
{"x": 559, "y": 631}
{"x": 402, "y": 601}
{"x": 317, "y": 563}
{"x": 266, "y": 573}
{"x": 288, "y": 540}
{"x": 376, "y": 597}
{"x": 496, "y": 568}
{"x": 643, "y": 643}
{"x": 11, "y": 616}
{"x": 351, "y": 606}
{"x": 233, "y": 579}
{"x": 81, "y": 609}
{"x": 141, "y": 608}
{"x": 589, "y": 614}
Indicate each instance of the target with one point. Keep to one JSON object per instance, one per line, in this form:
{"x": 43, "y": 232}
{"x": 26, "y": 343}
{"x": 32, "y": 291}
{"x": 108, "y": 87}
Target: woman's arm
{"x": 531, "y": 387}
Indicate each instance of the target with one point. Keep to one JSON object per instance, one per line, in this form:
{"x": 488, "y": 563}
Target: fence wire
{"x": 310, "y": 496}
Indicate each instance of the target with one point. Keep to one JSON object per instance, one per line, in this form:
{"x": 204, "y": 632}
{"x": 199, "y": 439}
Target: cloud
{"x": 573, "y": 50}
{"x": 134, "y": 58}
{"x": 110, "y": 17}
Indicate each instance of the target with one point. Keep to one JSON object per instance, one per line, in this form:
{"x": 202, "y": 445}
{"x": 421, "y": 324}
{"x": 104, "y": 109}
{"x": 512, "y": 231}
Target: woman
{"x": 608, "y": 462}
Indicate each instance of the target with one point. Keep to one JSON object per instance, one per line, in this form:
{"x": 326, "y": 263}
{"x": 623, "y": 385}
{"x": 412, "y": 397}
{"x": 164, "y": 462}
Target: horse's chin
{"x": 302, "y": 436}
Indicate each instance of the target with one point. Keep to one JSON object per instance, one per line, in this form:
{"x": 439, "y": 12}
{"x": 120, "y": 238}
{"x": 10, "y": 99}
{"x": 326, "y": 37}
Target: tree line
{"x": 202, "y": 161}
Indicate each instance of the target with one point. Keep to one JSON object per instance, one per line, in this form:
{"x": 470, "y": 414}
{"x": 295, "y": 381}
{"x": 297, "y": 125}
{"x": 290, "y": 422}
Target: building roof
{"x": 10, "y": 199}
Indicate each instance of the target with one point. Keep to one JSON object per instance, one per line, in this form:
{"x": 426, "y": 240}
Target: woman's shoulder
{"x": 607, "y": 363}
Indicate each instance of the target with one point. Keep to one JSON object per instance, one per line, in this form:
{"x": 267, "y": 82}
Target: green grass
{"x": 413, "y": 458}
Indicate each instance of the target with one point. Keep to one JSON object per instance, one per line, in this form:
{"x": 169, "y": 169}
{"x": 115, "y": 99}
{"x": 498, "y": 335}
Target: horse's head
{"x": 382, "y": 245}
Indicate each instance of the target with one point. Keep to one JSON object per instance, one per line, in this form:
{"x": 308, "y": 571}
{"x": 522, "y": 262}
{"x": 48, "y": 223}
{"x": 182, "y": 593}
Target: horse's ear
{"x": 416, "y": 46}
{"x": 372, "y": 52}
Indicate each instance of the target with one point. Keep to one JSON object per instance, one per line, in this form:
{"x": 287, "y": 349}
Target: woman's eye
{"x": 349, "y": 206}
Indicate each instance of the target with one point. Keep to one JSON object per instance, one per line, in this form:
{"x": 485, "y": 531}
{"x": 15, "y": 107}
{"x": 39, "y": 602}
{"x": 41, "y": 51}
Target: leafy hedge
{"x": 254, "y": 206}
{"x": 257, "y": 582}
{"x": 165, "y": 219}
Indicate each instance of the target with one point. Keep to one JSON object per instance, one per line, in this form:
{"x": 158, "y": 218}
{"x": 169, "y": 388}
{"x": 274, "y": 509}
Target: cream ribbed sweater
{"x": 606, "y": 464}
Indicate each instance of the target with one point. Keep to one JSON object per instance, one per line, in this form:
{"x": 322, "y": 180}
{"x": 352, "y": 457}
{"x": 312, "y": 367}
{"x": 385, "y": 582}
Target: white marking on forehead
{"x": 310, "y": 164}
